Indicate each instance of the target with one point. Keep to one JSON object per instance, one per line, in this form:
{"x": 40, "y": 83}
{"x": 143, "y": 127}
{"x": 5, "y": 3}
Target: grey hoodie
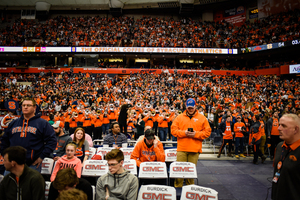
{"x": 62, "y": 142}
{"x": 121, "y": 186}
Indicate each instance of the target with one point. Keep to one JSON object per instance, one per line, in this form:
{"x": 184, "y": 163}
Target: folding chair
{"x": 47, "y": 166}
{"x": 183, "y": 170}
{"x": 104, "y": 150}
{"x": 92, "y": 152}
{"x": 127, "y": 152}
{"x": 157, "y": 192}
{"x": 94, "y": 192}
{"x": 94, "y": 168}
{"x": 130, "y": 165}
{"x": 171, "y": 155}
{"x": 153, "y": 170}
{"x": 198, "y": 192}
{"x": 47, "y": 188}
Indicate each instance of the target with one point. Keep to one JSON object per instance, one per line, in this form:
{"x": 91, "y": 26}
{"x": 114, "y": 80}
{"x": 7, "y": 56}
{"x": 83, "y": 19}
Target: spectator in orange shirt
{"x": 226, "y": 128}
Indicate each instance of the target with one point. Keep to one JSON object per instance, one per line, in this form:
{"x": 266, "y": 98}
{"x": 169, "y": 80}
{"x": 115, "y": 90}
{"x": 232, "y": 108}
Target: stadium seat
{"x": 130, "y": 165}
{"x": 183, "y": 170}
{"x": 47, "y": 166}
{"x": 92, "y": 152}
{"x": 198, "y": 192}
{"x": 104, "y": 150}
{"x": 127, "y": 152}
{"x": 94, "y": 192}
{"x": 153, "y": 170}
{"x": 94, "y": 168}
{"x": 171, "y": 155}
{"x": 47, "y": 187}
{"x": 156, "y": 192}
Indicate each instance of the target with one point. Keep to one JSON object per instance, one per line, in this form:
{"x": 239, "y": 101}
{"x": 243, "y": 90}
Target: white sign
{"x": 294, "y": 69}
{"x": 153, "y": 170}
{"x": 127, "y": 152}
{"x": 104, "y": 150}
{"x": 94, "y": 168}
{"x": 198, "y": 192}
{"x": 183, "y": 170}
{"x": 47, "y": 166}
{"x": 162, "y": 50}
{"x": 130, "y": 165}
{"x": 159, "y": 192}
{"x": 171, "y": 155}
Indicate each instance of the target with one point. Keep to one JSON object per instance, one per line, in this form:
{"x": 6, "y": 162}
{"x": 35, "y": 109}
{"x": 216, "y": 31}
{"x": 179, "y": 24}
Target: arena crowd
{"x": 151, "y": 32}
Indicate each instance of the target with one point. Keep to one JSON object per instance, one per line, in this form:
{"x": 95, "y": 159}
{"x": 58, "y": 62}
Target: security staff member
{"x": 286, "y": 175}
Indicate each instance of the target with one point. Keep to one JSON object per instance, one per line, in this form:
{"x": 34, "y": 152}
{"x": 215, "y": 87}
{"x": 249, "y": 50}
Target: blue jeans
{"x": 239, "y": 144}
{"x": 162, "y": 133}
{"x": 105, "y": 128}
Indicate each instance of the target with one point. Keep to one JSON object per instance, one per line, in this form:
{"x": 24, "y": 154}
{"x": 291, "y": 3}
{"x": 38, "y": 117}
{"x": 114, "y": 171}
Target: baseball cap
{"x": 58, "y": 124}
{"x": 149, "y": 134}
{"x": 239, "y": 116}
{"x": 190, "y": 102}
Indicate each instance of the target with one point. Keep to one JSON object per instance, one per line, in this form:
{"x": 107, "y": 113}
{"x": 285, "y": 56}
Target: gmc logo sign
{"x": 95, "y": 167}
{"x": 183, "y": 169}
{"x": 45, "y": 165}
{"x": 127, "y": 153}
{"x": 156, "y": 196}
{"x": 153, "y": 169}
{"x": 171, "y": 154}
{"x": 190, "y": 195}
{"x": 128, "y": 166}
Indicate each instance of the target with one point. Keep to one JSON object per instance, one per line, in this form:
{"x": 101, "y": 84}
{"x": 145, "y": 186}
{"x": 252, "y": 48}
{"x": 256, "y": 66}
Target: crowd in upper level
{"x": 151, "y": 32}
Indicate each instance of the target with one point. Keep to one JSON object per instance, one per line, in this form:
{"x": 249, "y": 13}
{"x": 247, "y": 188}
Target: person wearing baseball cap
{"x": 62, "y": 140}
{"x": 148, "y": 149}
{"x": 190, "y": 128}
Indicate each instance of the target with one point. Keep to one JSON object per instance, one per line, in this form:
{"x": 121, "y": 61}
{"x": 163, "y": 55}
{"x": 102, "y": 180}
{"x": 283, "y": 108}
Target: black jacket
{"x": 31, "y": 186}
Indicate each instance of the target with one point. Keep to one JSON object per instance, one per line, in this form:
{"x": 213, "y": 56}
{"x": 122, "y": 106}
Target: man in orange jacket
{"x": 190, "y": 128}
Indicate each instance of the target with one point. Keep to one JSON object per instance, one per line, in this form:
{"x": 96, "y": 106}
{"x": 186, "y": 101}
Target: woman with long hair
{"x": 82, "y": 150}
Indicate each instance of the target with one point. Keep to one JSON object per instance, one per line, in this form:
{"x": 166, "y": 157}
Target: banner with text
{"x": 294, "y": 69}
{"x": 8, "y": 49}
{"x": 236, "y": 15}
{"x": 156, "y": 192}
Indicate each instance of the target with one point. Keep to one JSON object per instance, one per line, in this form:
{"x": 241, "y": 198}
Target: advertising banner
{"x": 294, "y": 69}
{"x": 236, "y": 15}
{"x": 159, "y": 50}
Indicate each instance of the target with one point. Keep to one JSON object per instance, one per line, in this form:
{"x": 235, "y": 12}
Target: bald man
{"x": 286, "y": 176}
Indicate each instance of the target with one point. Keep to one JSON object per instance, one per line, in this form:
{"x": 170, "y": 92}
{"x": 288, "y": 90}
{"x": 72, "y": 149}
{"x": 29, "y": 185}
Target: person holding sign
{"x": 190, "y": 128}
{"x": 286, "y": 175}
{"x": 118, "y": 183}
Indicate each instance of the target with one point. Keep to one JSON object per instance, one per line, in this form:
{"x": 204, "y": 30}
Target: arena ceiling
{"x": 99, "y": 4}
